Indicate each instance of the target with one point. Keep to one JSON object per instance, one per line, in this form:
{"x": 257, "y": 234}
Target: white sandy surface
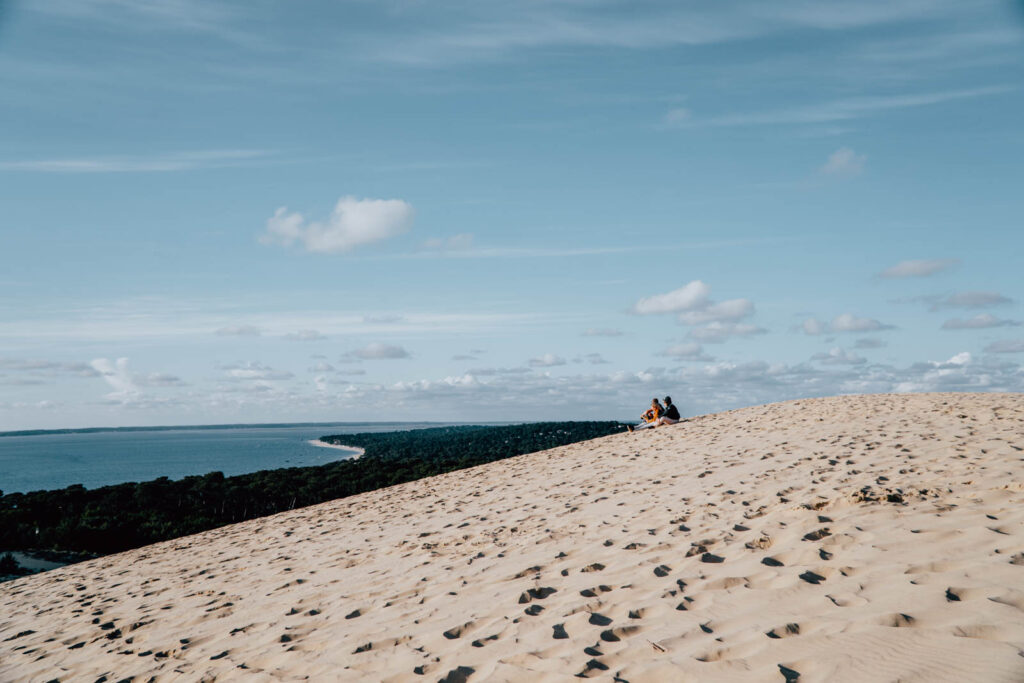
{"x": 359, "y": 452}
{"x": 861, "y": 538}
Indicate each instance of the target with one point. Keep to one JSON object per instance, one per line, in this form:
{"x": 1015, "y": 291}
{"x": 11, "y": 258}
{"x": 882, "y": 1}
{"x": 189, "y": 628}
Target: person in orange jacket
{"x": 650, "y": 416}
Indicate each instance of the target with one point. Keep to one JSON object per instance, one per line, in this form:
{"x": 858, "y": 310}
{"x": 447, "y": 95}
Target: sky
{"x": 224, "y": 212}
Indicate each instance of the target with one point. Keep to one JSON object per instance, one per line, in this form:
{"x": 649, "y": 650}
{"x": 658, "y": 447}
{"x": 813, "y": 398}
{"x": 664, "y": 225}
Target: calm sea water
{"x": 53, "y": 461}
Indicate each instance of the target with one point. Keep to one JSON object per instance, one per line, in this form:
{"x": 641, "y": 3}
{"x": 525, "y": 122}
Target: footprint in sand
{"x": 536, "y": 594}
{"x": 790, "y": 675}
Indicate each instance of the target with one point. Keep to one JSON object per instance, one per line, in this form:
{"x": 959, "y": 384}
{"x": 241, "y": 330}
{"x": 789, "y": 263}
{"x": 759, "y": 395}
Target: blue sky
{"x": 266, "y": 211}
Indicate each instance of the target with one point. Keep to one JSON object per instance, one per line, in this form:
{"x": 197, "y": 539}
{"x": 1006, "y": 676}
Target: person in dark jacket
{"x": 671, "y": 415}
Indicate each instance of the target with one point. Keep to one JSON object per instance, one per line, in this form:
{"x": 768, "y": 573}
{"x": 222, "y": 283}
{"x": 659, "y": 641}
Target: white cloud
{"x": 692, "y": 306}
{"x": 838, "y": 356}
{"x": 918, "y": 268}
{"x": 1006, "y": 346}
{"x": 353, "y": 223}
{"x": 254, "y": 371}
{"x": 159, "y": 379}
{"x": 813, "y": 326}
{"x": 379, "y": 351}
{"x": 962, "y": 358}
{"x": 844, "y": 162}
{"x": 705, "y": 388}
{"x": 305, "y": 335}
{"x": 971, "y": 300}
{"x": 718, "y": 332}
{"x": 688, "y": 351}
{"x": 240, "y": 330}
{"x": 322, "y": 366}
{"x": 980, "y": 321}
{"x": 949, "y": 375}
{"x": 548, "y": 360}
{"x": 601, "y": 332}
{"x": 693, "y": 295}
{"x": 847, "y": 322}
{"x": 725, "y": 311}
{"x": 127, "y": 392}
{"x": 524, "y": 394}
{"x": 116, "y": 374}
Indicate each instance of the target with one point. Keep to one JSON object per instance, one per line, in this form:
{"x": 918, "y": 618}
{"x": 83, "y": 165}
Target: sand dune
{"x": 861, "y": 538}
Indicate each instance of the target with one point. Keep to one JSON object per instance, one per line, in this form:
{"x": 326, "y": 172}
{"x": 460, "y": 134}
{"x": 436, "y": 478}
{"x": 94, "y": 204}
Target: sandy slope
{"x": 862, "y": 538}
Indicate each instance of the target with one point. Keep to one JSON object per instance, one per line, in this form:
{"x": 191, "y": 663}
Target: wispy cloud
{"x": 158, "y": 163}
{"x": 838, "y": 356}
{"x": 306, "y": 335}
{"x": 239, "y": 331}
{"x": 48, "y": 367}
{"x": 380, "y": 351}
{"x": 918, "y": 268}
{"x": 848, "y": 109}
{"x": 718, "y": 332}
{"x": 548, "y": 360}
{"x": 480, "y": 252}
{"x": 980, "y": 321}
{"x": 150, "y": 318}
{"x": 971, "y": 299}
{"x": 845, "y": 163}
{"x": 601, "y": 332}
{"x": 477, "y": 31}
{"x": 1006, "y": 346}
{"x": 688, "y": 351}
{"x": 846, "y": 322}
{"x": 216, "y": 19}
{"x": 254, "y": 371}
{"x": 460, "y": 242}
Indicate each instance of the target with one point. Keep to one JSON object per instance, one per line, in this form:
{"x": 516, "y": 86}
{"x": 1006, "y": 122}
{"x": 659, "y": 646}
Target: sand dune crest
{"x": 841, "y": 539}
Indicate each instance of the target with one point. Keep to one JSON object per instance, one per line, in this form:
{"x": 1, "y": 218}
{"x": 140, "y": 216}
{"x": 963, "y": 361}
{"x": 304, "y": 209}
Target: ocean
{"x": 93, "y": 459}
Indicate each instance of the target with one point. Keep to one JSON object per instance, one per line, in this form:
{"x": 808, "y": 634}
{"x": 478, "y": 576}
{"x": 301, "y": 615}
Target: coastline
{"x": 323, "y": 444}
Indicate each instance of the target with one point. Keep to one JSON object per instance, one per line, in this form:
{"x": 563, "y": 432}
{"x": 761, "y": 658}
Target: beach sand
{"x": 358, "y": 452}
{"x": 859, "y": 538}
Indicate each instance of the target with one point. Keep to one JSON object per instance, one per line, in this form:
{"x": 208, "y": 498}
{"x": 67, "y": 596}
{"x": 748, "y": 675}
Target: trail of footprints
{"x": 650, "y": 552}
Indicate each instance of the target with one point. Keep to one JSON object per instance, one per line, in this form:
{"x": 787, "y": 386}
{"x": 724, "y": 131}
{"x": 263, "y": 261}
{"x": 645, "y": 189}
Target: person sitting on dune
{"x": 659, "y": 416}
{"x": 671, "y": 415}
{"x": 650, "y": 416}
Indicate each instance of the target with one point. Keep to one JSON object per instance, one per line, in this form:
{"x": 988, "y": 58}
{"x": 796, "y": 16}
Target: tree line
{"x": 114, "y": 518}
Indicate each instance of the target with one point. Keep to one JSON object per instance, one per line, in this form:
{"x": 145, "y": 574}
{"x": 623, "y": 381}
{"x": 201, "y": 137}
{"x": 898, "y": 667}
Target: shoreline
{"x": 359, "y": 452}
